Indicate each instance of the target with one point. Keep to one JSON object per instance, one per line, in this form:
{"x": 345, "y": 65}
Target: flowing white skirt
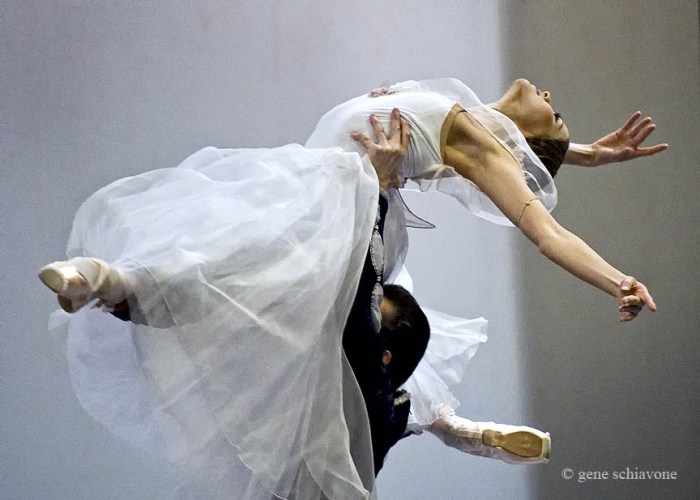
{"x": 453, "y": 342}
{"x": 244, "y": 264}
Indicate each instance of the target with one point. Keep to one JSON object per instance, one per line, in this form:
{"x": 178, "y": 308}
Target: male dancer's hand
{"x": 386, "y": 154}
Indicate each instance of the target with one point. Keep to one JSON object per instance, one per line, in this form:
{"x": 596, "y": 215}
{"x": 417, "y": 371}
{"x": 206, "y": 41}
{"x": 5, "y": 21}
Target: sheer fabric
{"x": 244, "y": 265}
{"x": 453, "y": 342}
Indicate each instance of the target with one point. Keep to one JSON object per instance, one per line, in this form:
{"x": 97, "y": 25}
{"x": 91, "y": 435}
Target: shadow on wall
{"x": 607, "y": 390}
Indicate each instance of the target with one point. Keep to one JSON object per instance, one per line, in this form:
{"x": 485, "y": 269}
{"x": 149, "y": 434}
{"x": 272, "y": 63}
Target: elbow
{"x": 549, "y": 242}
{"x": 546, "y": 247}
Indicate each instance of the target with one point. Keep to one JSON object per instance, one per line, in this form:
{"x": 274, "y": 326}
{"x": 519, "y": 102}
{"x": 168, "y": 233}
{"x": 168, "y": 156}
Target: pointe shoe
{"x": 512, "y": 444}
{"x": 81, "y": 280}
{"x": 520, "y": 441}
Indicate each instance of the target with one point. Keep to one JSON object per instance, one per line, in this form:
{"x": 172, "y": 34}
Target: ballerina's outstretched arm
{"x": 478, "y": 157}
{"x": 621, "y": 145}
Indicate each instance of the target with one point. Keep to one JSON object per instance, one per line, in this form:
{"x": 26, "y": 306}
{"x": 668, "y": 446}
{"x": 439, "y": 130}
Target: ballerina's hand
{"x": 385, "y": 154}
{"x": 624, "y": 143}
{"x": 632, "y": 297}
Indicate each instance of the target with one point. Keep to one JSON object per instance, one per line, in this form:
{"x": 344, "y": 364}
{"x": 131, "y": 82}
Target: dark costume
{"x": 364, "y": 349}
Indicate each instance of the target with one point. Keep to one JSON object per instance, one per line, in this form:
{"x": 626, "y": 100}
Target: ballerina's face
{"x": 531, "y": 110}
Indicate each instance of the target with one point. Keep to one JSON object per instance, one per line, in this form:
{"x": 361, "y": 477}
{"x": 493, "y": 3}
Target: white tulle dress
{"x": 245, "y": 264}
{"x": 428, "y": 106}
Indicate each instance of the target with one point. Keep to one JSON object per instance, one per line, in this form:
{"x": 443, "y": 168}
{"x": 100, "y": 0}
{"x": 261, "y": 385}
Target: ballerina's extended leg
{"x": 509, "y": 443}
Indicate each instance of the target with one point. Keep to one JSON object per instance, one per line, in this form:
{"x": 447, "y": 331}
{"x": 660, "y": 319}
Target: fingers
{"x": 630, "y": 121}
{"x": 400, "y": 129}
{"x": 631, "y": 304}
{"x": 628, "y": 316}
{"x": 399, "y": 136}
{"x": 395, "y": 127}
{"x": 652, "y": 150}
{"x": 627, "y": 284}
{"x": 395, "y": 124}
{"x": 362, "y": 139}
{"x": 405, "y": 134}
{"x": 645, "y": 127}
{"x": 643, "y": 134}
{"x": 634, "y": 297}
{"x": 646, "y": 297}
{"x": 378, "y": 130}
{"x": 638, "y": 133}
{"x": 630, "y": 307}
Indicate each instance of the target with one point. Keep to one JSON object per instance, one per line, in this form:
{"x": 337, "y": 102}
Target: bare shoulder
{"x": 467, "y": 146}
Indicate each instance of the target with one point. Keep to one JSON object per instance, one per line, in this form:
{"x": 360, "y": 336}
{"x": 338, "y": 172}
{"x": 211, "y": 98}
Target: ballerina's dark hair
{"x": 550, "y": 151}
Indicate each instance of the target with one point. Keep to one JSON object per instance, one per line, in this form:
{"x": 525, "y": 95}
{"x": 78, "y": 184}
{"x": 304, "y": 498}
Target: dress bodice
{"x": 426, "y": 105}
{"x": 425, "y": 112}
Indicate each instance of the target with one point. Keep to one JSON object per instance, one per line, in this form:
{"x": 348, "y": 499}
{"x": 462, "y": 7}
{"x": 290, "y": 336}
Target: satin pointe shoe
{"x": 81, "y": 280}
{"x": 513, "y": 444}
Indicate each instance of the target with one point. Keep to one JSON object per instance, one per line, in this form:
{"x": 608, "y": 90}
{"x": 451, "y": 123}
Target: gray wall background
{"x": 93, "y": 91}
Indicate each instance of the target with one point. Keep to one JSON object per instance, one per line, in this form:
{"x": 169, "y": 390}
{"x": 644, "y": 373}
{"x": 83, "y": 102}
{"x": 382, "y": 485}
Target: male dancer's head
{"x": 405, "y": 332}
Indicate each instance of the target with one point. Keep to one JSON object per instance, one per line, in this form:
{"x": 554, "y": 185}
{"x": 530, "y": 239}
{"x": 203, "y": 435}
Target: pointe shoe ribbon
{"x": 81, "y": 280}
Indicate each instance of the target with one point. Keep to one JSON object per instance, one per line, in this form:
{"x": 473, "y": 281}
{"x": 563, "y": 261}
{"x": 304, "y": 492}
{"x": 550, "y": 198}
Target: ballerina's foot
{"x": 64, "y": 279}
{"x": 521, "y": 443}
{"x": 80, "y": 280}
{"x": 513, "y": 444}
